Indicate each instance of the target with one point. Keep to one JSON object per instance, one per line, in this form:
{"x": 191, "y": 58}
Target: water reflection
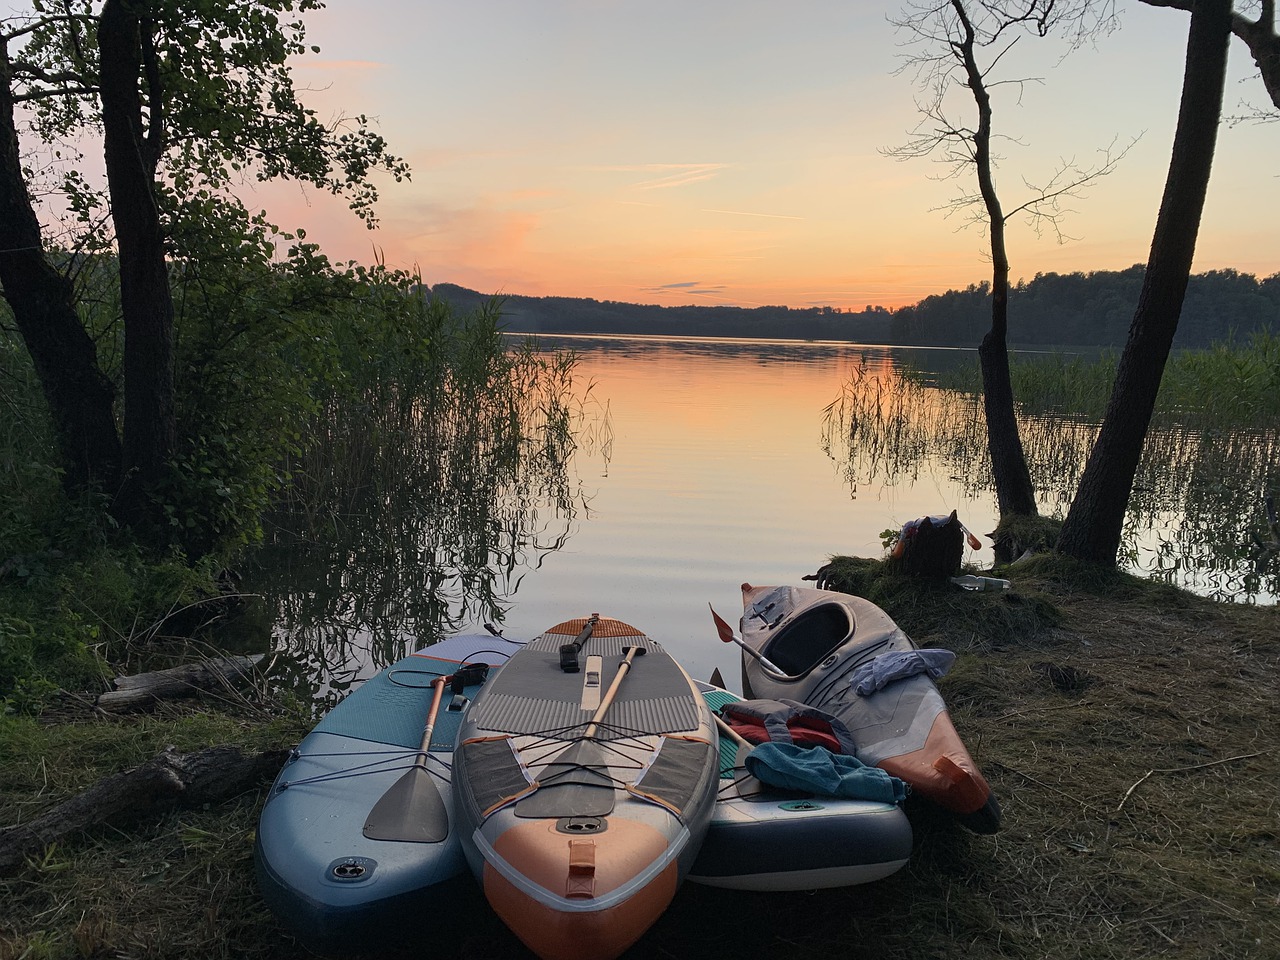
{"x": 421, "y": 515}
{"x": 428, "y": 513}
{"x": 1198, "y": 499}
{"x": 758, "y": 352}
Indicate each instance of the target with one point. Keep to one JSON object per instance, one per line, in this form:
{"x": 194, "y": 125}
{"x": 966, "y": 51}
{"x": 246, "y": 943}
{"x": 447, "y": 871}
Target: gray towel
{"x": 888, "y": 667}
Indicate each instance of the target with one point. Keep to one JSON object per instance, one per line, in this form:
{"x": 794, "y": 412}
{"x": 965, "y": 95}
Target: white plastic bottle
{"x": 971, "y": 582}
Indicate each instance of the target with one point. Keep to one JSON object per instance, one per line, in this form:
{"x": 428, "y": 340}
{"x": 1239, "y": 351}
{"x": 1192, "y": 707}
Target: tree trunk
{"x": 211, "y": 775}
{"x": 1259, "y": 36}
{"x": 1264, "y": 46}
{"x": 1015, "y": 494}
{"x": 80, "y": 397}
{"x": 149, "y": 418}
{"x": 1095, "y": 522}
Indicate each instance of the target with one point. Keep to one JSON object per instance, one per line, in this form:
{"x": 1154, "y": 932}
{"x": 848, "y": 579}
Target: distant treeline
{"x": 1085, "y": 309}
{"x": 582, "y": 315}
{"x": 1093, "y": 309}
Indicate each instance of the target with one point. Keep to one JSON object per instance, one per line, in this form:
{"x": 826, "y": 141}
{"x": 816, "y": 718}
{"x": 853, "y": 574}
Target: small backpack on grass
{"x": 931, "y": 548}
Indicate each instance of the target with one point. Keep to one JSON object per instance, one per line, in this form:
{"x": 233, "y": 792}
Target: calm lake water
{"x": 704, "y": 464}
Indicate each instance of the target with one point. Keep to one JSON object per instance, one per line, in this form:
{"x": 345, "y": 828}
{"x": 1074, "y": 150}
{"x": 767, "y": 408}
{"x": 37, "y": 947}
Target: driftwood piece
{"x": 144, "y": 689}
{"x": 211, "y": 775}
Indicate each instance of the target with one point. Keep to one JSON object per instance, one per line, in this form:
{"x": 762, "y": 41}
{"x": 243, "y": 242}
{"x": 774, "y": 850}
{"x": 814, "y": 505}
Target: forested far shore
{"x": 1076, "y": 309}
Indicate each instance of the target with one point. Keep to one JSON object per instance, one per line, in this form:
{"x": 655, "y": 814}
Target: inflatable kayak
{"x": 584, "y": 781}
{"x": 845, "y": 656}
{"x": 357, "y": 840}
{"x": 765, "y": 838}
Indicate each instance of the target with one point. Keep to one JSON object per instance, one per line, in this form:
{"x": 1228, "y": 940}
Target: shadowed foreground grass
{"x": 1129, "y": 730}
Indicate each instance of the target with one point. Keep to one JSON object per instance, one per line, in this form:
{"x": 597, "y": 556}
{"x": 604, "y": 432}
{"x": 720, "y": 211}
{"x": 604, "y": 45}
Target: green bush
{"x": 298, "y": 382}
{"x": 35, "y": 663}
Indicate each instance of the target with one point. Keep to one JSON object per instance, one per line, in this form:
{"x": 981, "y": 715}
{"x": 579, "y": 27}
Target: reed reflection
{"x": 1199, "y": 497}
{"x": 422, "y": 510}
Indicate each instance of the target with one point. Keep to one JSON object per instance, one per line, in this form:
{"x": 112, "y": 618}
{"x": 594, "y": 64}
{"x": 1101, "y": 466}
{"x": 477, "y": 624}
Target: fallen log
{"x": 169, "y": 779}
{"x": 143, "y": 690}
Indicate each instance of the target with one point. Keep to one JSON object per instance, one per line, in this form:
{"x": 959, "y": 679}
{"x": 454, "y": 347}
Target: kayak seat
{"x": 810, "y": 638}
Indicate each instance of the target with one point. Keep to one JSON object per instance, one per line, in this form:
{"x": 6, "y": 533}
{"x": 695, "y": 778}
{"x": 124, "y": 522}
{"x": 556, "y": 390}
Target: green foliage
{"x": 66, "y": 611}
{"x": 135, "y": 599}
{"x": 1067, "y": 385}
{"x": 220, "y": 104}
{"x": 250, "y": 333}
{"x": 1226, "y": 385}
{"x": 229, "y": 105}
{"x": 36, "y": 651}
{"x": 34, "y": 665}
{"x": 332, "y": 391}
{"x": 1237, "y": 383}
{"x": 73, "y": 590}
{"x": 28, "y": 483}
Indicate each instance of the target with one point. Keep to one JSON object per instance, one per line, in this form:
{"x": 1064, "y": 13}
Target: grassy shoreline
{"x": 1127, "y": 728}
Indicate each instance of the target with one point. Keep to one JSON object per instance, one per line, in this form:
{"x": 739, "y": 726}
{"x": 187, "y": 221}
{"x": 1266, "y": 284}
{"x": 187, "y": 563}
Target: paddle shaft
{"x": 569, "y": 651}
{"x": 412, "y": 810}
{"x": 761, "y": 659}
{"x": 585, "y": 634}
{"x": 438, "y": 685}
{"x": 745, "y": 746}
{"x": 623, "y": 669}
{"x": 728, "y": 636}
{"x": 733, "y": 734}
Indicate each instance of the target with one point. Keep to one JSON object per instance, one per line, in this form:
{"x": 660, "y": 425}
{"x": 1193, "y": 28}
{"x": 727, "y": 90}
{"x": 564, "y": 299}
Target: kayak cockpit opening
{"x": 810, "y": 638}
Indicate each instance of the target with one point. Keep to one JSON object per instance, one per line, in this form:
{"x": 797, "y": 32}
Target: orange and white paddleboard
{"x": 583, "y": 782}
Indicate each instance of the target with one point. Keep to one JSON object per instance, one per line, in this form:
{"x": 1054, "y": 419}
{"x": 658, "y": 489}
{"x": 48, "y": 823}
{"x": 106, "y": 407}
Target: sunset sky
{"x": 733, "y": 152}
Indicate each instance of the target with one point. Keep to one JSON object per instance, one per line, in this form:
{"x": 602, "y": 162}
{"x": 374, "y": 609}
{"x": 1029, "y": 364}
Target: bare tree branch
{"x": 1044, "y": 207}
{"x": 943, "y": 32}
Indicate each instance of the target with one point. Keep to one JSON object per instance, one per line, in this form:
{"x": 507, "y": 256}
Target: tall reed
{"x": 1208, "y": 464}
{"x": 436, "y": 469}
{"x": 1227, "y": 386}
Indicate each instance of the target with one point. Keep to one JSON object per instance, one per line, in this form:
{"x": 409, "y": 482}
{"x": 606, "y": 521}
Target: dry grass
{"x": 1129, "y": 731}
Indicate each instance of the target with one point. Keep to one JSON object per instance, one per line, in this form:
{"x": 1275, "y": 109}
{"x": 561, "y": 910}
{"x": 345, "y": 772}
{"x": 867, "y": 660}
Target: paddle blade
{"x": 411, "y": 811}
{"x": 575, "y": 784}
{"x": 722, "y": 628}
